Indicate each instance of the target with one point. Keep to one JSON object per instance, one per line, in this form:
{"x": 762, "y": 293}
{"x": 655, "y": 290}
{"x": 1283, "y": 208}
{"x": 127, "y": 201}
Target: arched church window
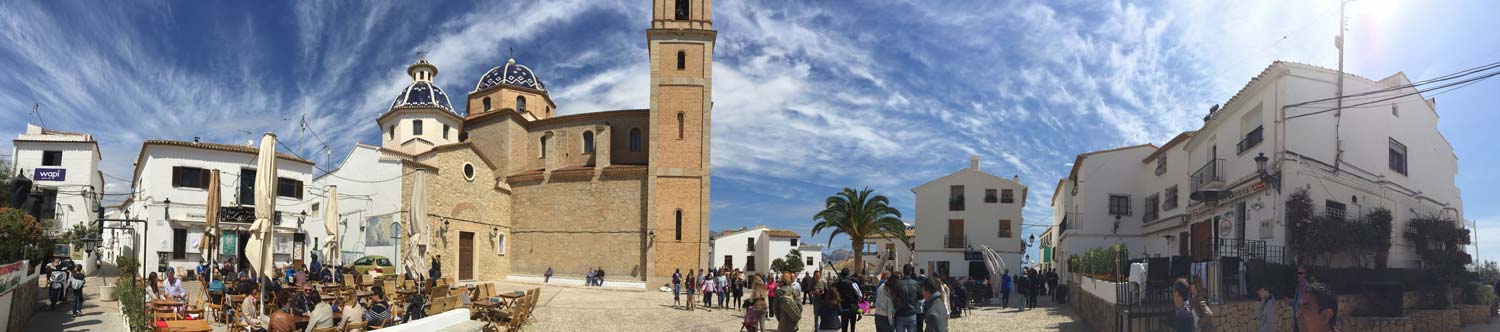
{"x": 680, "y": 117}
{"x": 588, "y": 142}
{"x": 635, "y": 139}
{"x": 681, "y": 60}
{"x": 520, "y": 103}
{"x": 392, "y": 132}
{"x": 486, "y": 104}
{"x": 682, "y": 9}
{"x": 679, "y": 224}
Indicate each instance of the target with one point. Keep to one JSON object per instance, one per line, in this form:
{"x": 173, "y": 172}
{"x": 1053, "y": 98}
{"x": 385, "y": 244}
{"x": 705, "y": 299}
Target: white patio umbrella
{"x": 262, "y": 236}
{"x": 416, "y": 228}
{"x": 331, "y": 224}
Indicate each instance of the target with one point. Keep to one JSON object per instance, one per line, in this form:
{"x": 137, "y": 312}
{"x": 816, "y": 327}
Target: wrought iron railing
{"x": 955, "y": 241}
{"x": 1251, "y": 139}
{"x": 1210, "y": 173}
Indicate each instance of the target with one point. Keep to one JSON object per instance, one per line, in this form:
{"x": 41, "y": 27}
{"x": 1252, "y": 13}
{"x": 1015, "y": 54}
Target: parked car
{"x": 380, "y": 264}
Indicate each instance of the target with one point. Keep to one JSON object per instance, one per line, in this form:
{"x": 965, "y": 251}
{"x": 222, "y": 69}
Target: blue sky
{"x": 811, "y": 96}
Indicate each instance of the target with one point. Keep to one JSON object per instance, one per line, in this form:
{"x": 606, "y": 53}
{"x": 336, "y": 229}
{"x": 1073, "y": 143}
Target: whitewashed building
{"x": 1205, "y": 194}
{"x": 753, "y": 249}
{"x": 370, "y": 200}
{"x": 895, "y": 251}
{"x": 64, "y": 170}
{"x": 171, "y": 182}
{"x": 960, "y": 213}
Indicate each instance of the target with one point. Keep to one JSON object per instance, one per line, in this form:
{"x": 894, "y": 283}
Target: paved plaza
{"x": 576, "y": 308}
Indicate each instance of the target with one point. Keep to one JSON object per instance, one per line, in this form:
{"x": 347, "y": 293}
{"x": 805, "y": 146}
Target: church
{"x": 513, "y": 188}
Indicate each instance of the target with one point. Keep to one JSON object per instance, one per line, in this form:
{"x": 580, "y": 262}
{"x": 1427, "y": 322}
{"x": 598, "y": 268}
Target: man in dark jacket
{"x": 906, "y": 300}
{"x": 849, "y": 298}
{"x": 1183, "y": 320}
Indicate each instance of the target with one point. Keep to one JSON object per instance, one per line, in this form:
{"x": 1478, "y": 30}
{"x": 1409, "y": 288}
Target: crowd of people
{"x": 903, "y": 300}
{"x": 1314, "y": 306}
{"x": 293, "y": 297}
{"x": 1028, "y": 284}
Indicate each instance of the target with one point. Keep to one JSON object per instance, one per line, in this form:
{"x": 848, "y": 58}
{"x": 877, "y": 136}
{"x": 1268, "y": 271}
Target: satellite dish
{"x": 1209, "y": 195}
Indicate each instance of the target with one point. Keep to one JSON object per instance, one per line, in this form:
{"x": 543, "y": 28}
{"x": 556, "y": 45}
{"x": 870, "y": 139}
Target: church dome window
{"x": 469, "y": 171}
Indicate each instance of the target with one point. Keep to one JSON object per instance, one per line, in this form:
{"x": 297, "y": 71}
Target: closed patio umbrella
{"x": 210, "y": 241}
{"x": 331, "y": 224}
{"x": 416, "y": 228}
{"x": 262, "y": 237}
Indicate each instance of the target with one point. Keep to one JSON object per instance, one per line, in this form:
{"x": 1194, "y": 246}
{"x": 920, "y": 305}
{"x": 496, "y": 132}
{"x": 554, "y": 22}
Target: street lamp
{"x": 1273, "y": 180}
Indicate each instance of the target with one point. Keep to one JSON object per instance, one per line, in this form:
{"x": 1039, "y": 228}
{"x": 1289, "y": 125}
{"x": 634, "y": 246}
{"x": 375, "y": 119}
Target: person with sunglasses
{"x": 1296, "y": 300}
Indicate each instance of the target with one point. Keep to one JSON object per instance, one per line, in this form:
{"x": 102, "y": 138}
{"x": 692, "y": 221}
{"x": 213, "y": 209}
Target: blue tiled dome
{"x": 513, "y": 74}
{"x": 422, "y": 94}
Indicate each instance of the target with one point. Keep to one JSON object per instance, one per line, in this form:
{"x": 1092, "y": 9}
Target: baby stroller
{"x": 752, "y": 318}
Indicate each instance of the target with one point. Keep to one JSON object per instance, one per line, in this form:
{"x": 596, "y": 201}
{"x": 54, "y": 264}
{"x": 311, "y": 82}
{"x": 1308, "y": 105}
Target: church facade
{"x": 514, "y": 188}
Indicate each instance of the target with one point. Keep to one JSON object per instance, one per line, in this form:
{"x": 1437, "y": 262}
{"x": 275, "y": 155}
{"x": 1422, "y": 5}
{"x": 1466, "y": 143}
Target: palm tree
{"x": 859, "y": 214}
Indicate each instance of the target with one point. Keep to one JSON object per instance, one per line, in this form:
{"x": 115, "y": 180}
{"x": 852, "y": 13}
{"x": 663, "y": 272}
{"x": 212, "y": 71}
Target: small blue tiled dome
{"x": 513, "y": 74}
{"x": 422, "y": 94}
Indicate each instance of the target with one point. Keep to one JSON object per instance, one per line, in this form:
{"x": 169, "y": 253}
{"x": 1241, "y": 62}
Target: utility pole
{"x": 1338, "y": 141}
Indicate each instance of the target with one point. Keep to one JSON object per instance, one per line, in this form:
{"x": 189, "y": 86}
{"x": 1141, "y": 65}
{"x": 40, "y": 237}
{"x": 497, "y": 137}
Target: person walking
{"x": 1005, "y": 286}
{"x": 723, "y": 288}
{"x": 789, "y": 311}
{"x": 676, "y": 287}
{"x": 1036, "y": 287}
{"x": 547, "y": 278}
{"x": 76, "y": 285}
{"x": 1267, "y": 316}
{"x": 1021, "y": 288}
{"x": 708, "y": 291}
{"x": 1183, "y": 319}
{"x": 692, "y": 286}
{"x": 737, "y": 286}
{"x": 771, "y": 287}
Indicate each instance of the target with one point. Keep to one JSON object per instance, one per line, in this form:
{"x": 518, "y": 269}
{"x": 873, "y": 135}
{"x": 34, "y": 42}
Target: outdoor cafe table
{"x": 489, "y": 311}
{"x": 197, "y": 325}
{"x": 166, "y": 305}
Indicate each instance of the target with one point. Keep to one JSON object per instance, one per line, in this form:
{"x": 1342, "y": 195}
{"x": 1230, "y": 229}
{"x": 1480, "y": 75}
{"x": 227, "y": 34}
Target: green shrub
{"x": 1106, "y": 263}
{"x": 133, "y": 302}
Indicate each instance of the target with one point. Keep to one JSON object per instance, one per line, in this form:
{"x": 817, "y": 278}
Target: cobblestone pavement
{"x": 572, "y": 308}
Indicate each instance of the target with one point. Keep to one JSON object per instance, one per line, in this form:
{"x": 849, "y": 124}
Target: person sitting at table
{"x": 297, "y": 303}
{"x": 153, "y": 290}
{"x": 322, "y": 314}
{"x": 249, "y": 312}
{"x": 245, "y": 286}
{"x": 379, "y": 311}
{"x": 281, "y": 320}
{"x": 173, "y": 288}
{"x": 353, "y": 310}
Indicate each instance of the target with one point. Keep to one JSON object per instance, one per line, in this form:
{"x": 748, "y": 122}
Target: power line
{"x": 1451, "y": 76}
{"x": 1460, "y": 84}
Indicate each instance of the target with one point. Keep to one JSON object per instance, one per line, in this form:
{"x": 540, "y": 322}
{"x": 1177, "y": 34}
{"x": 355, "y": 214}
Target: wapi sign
{"x": 51, "y": 174}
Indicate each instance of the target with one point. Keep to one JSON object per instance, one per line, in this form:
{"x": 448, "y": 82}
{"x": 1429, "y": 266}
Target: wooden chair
{"x": 165, "y": 316}
{"x": 326, "y": 329}
{"x": 353, "y": 327}
{"x": 349, "y": 280}
{"x": 196, "y": 309}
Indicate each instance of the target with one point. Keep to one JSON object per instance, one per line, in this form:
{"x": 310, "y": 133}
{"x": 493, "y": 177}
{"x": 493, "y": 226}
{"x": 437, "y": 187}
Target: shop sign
{"x": 50, "y": 174}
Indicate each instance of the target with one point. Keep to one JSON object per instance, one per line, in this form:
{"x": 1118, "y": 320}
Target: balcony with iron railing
{"x": 1210, "y": 174}
{"x": 1251, "y": 139}
{"x": 955, "y": 241}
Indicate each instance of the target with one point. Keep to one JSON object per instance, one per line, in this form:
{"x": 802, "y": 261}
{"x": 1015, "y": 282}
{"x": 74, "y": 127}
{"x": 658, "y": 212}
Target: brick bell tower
{"x": 681, "y": 43}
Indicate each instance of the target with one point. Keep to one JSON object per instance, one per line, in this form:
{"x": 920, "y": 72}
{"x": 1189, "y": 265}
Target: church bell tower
{"x": 681, "y": 43}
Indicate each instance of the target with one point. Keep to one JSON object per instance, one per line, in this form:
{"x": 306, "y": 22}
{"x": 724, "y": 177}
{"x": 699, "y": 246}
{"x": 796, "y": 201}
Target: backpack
{"x": 849, "y": 298}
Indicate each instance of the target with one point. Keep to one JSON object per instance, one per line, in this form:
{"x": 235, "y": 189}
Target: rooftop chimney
{"x": 195, "y": 139}
{"x": 1015, "y": 178}
{"x": 974, "y": 162}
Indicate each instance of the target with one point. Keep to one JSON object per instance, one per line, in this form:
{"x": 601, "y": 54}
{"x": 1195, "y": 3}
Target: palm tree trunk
{"x": 859, "y": 257}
